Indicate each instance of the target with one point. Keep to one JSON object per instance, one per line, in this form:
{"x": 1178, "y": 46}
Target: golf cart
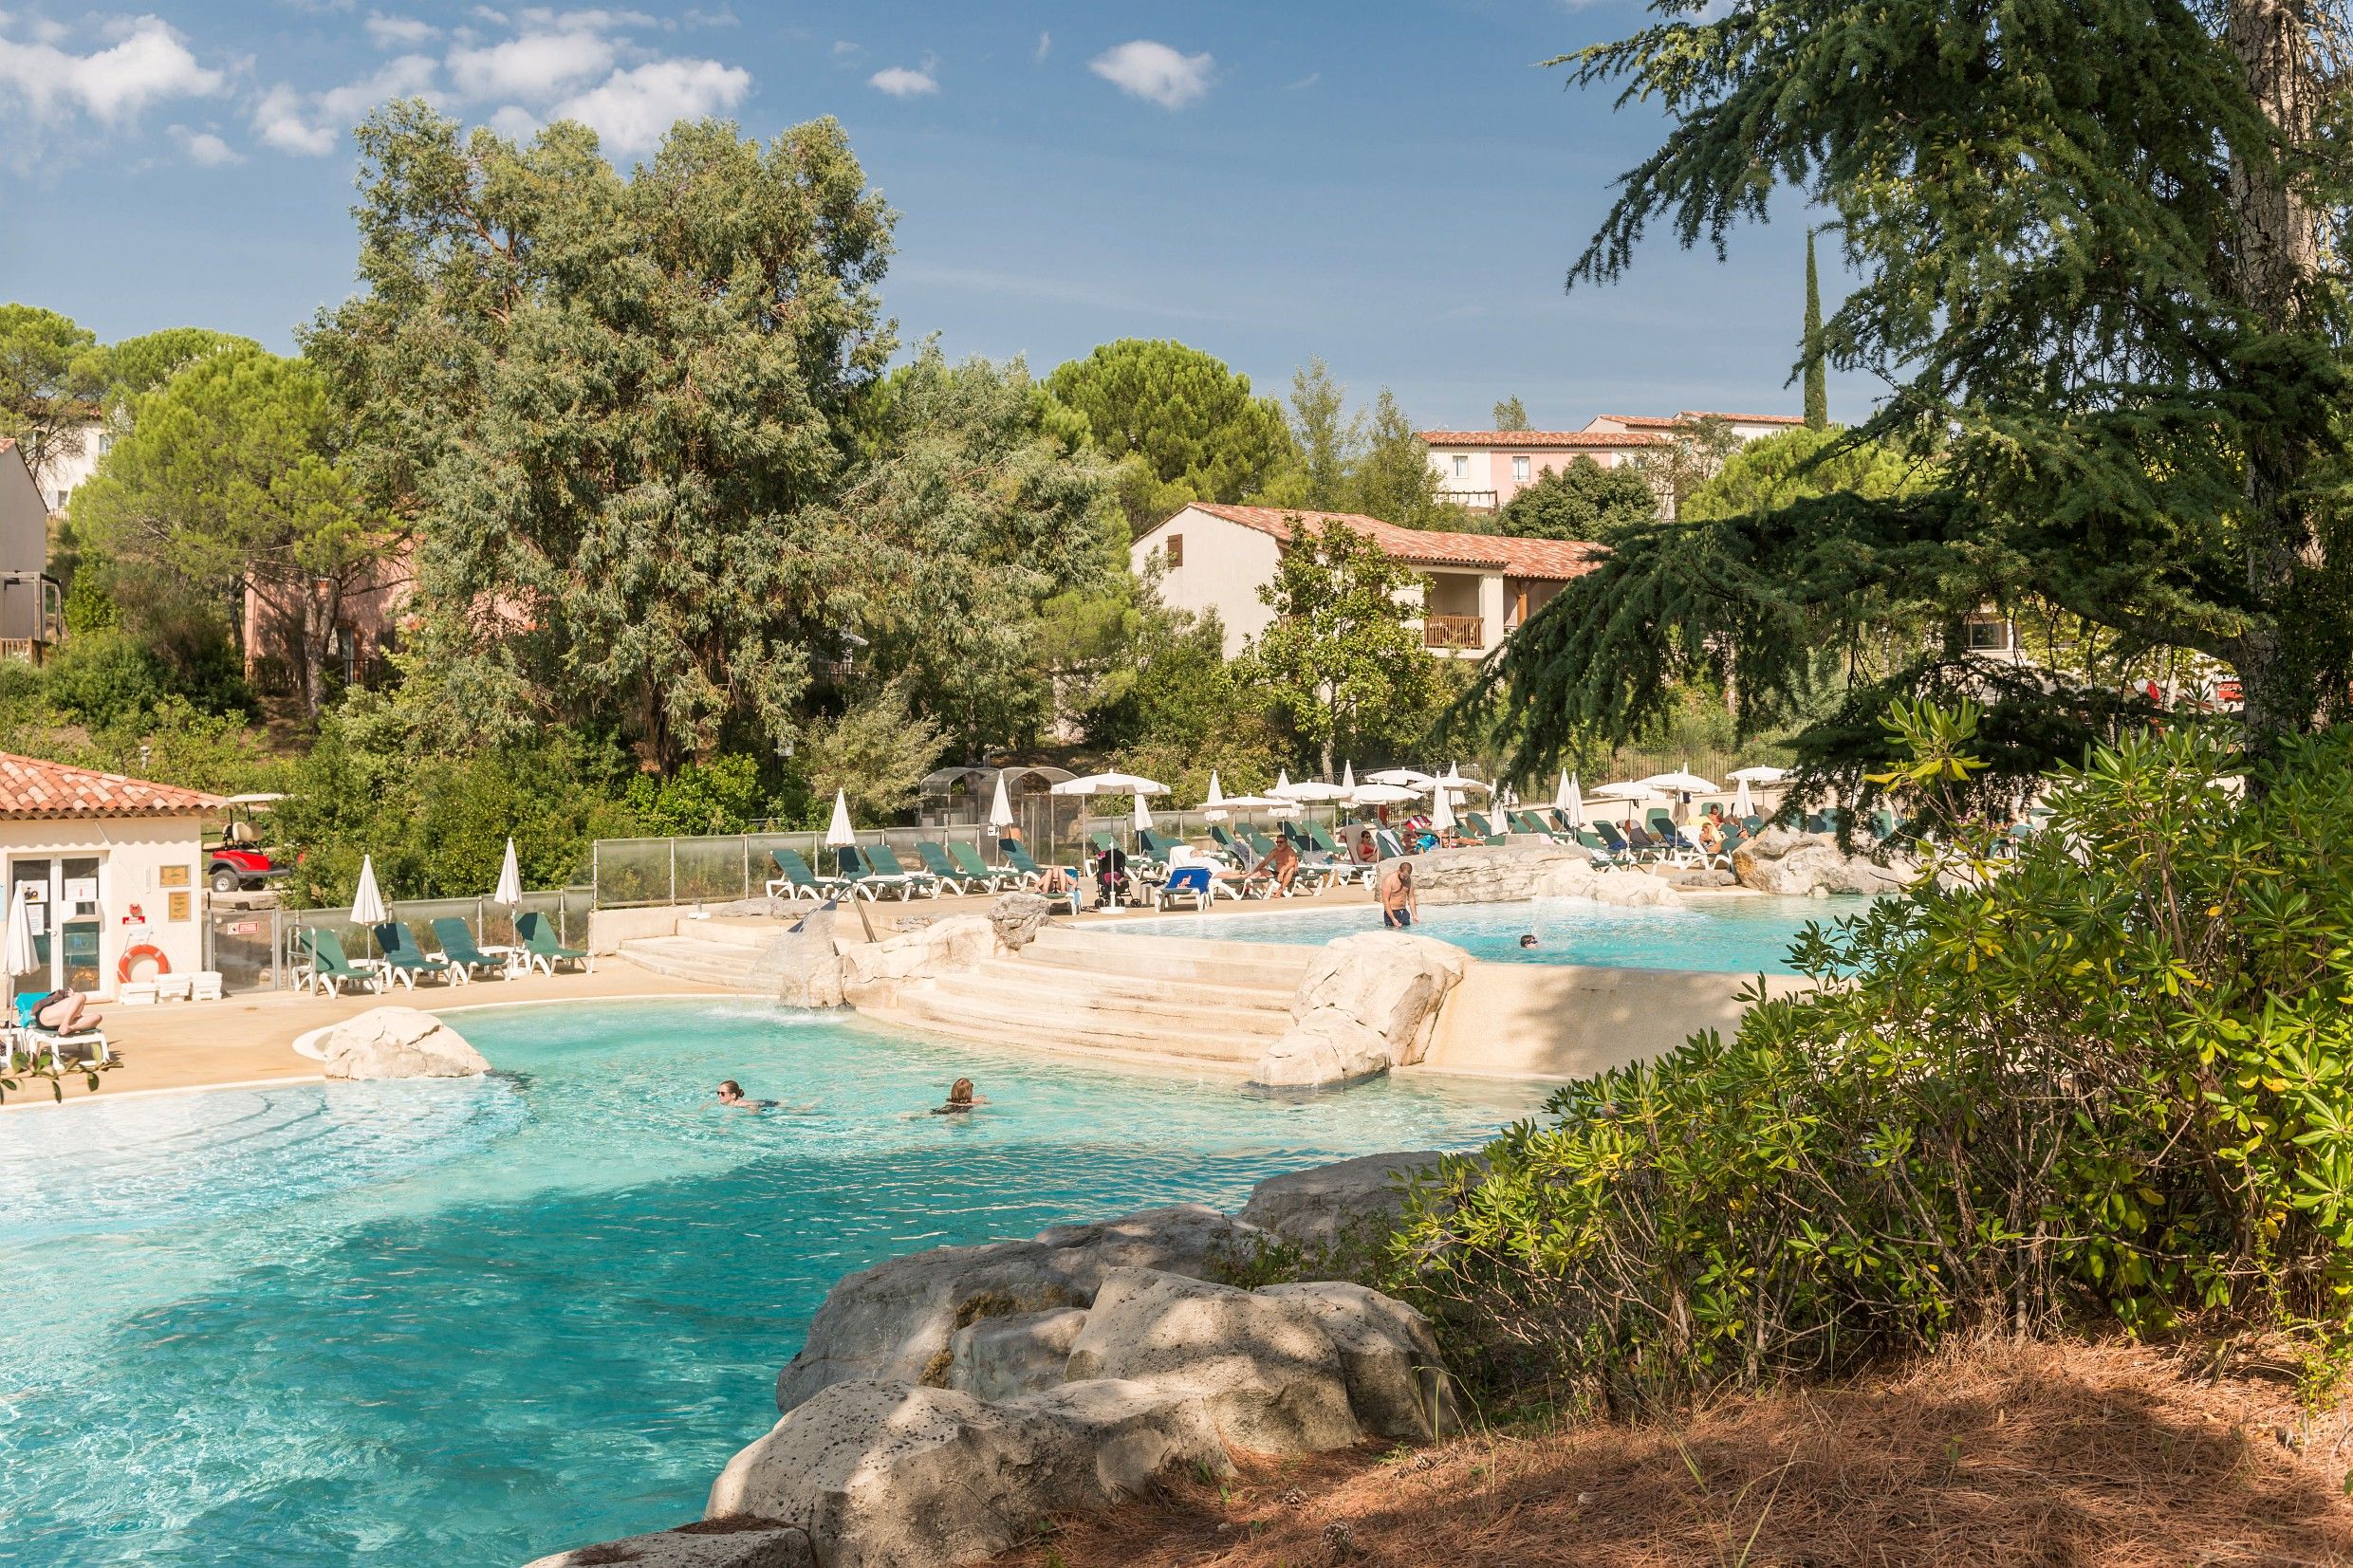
{"x": 239, "y": 863}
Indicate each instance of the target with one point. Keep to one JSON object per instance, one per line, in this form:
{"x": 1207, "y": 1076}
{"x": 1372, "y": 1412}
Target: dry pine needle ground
{"x": 2108, "y": 1456}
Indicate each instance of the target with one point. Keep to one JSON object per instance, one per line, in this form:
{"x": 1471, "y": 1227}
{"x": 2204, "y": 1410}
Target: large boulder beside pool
{"x": 1492, "y": 874}
{"x": 898, "y": 1321}
{"x": 1620, "y": 885}
{"x": 1368, "y": 1002}
{"x": 1150, "y": 1372}
{"x": 712, "y": 1543}
{"x": 1271, "y": 1374}
{"x": 1017, "y": 917}
{"x": 897, "y": 1475}
{"x": 385, "y": 1043}
{"x": 1326, "y": 1207}
{"x": 1799, "y": 864}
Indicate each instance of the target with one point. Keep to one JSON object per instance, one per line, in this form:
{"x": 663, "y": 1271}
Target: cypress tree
{"x": 1817, "y": 377}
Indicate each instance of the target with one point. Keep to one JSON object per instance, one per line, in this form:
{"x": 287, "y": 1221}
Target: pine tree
{"x": 1512, "y": 414}
{"x": 2126, "y": 364}
{"x": 1817, "y": 377}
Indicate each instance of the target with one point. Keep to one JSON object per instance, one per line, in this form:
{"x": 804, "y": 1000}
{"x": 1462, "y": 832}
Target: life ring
{"x": 144, "y": 952}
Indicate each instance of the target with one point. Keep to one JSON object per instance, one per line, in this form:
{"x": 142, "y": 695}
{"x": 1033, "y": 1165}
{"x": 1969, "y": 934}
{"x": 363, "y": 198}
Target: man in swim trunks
{"x": 1399, "y": 905}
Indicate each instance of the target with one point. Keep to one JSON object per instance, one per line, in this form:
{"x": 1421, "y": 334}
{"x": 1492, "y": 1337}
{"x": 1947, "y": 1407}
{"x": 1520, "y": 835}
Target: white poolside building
{"x": 1476, "y": 588}
{"x": 109, "y": 871}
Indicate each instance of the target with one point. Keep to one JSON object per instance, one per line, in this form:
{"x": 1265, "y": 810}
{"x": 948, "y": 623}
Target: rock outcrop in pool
{"x": 946, "y": 1402}
{"x": 388, "y": 1043}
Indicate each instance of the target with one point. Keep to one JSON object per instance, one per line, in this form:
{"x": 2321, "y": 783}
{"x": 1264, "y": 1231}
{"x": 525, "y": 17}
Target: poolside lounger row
{"x": 328, "y": 968}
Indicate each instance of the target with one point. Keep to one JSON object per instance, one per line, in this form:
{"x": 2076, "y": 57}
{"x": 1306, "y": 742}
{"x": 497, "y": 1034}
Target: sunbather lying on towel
{"x": 67, "y": 1013}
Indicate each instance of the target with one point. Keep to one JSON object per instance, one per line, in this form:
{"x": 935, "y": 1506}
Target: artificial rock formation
{"x": 1781, "y": 860}
{"x": 1139, "y": 1371}
{"x": 1492, "y": 874}
{"x": 712, "y": 1543}
{"x": 1328, "y": 1207}
{"x": 1620, "y": 885}
{"x": 1368, "y": 1002}
{"x": 898, "y": 1321}
{"x": 1017, "y": 917}
{"x": 869, "y": 969}
{"x": 385, "y": 1043}
{"x": 897, "y": 1475}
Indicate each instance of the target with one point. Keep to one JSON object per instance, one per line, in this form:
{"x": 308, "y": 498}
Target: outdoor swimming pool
{"x": 466, "y": 1322}
{"x": 1720, "y": 936}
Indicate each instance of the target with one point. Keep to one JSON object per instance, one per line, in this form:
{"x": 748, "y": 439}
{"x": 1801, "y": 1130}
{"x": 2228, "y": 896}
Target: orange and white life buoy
{"x": 144, "y": 953}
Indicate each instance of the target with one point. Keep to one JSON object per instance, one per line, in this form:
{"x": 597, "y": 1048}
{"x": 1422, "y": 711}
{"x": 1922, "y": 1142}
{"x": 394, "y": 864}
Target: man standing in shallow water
{"x": 1399, "y": 905}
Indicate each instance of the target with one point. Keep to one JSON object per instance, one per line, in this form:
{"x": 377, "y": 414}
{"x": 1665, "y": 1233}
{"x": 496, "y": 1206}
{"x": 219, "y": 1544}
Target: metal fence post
{"x": 674, "y": 870}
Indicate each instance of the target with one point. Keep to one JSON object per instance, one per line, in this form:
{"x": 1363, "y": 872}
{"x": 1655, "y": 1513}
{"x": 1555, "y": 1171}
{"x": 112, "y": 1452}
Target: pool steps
{"x": 1125, "y": 996}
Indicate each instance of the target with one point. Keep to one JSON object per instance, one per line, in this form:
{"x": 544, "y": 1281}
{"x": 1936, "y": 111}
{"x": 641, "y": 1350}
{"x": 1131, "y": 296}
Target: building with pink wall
{"x": 1482, "y": 470}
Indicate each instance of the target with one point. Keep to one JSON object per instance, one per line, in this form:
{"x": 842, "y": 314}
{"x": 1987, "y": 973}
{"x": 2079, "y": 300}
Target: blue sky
{"x": 1397, "y": 188}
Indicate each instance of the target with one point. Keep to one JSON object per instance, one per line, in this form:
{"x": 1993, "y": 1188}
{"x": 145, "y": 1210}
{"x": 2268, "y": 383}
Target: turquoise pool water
{"x": 463, "y": 1323}
{"x": 1727, "y": 935}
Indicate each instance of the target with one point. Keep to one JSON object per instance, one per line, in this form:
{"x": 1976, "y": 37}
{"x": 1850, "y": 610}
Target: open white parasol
{"x": 1113, "y": 783}
{"x": 1763, "y": 773}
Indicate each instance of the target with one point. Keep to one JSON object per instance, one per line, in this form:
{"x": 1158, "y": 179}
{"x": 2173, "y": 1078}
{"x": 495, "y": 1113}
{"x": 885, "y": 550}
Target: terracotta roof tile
{"x": 1545, "y": 438}
{"x": 32, "y": 789}
{"x": 1550, "y": 560}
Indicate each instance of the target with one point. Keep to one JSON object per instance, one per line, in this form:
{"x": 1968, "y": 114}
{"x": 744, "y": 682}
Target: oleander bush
{"x": 2105, "y": 1080}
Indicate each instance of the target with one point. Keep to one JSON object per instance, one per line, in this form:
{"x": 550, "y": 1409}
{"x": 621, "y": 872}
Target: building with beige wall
{"x": 1482, "y": 470}
{"x": 112, "y": 868}
{"x": 1475, "y": 588}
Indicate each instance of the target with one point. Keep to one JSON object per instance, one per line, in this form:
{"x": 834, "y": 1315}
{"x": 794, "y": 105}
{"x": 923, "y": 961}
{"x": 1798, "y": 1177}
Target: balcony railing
{"x": 28, "y": 649}
{"x": 1477, "y": 501}
{"x": 1453, "y": 631}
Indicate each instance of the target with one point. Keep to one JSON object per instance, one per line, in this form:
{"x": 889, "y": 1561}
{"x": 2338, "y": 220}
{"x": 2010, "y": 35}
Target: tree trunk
{"x": 317, "y": 627}
{"x": 2278, "y": 253}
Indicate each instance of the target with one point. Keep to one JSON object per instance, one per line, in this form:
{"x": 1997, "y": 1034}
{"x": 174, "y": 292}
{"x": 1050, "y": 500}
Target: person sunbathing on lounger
{"x": 67, "y": 1013}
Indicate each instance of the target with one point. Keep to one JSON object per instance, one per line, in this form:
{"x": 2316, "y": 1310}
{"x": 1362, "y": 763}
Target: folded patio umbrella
{"x": 367, "y": 904}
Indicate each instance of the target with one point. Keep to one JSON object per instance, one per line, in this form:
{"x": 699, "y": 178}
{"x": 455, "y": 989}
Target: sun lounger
{"x": 30, "y": 1035}
{"x": 978, "y": 871}
{"x": 1191, "y": 883}
{"x": 870, "y": 880}
{"x": 457, "y": 946}
{"x": 403, "y": 959}
{"x": 537, "y": 935}
{"x": 798, "y": 881}
{"x": 329, "y": 970}
{"x": 937, "y": 864}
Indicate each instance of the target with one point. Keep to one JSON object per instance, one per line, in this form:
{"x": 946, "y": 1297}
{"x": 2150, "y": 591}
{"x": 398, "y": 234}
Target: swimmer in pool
{"x": 960, "y": 1099}
{"x": 1528, "y": 939}
{"x": 732, "y": 1092}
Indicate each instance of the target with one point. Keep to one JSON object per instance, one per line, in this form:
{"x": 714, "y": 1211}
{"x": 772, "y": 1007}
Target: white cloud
{"x": 1155, "y": 72}
{"x": 534, "y": 65}
{"x": 899, "y": 81}
{"x": 1046, "y": 46}
{"x": 147, "y": 63}
{"x": 631, "y": 110}
{"x": 205, "y": 148}
{"x": 312, "y": 125}
{"x": 1308, "y": 80}
{"x": 844, "y": 48}
{"x": 399, "y": 32}
{"x": 515, "y": 123}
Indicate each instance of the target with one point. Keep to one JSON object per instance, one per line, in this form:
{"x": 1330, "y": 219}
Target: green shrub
{"x": 2111, "y": 1081}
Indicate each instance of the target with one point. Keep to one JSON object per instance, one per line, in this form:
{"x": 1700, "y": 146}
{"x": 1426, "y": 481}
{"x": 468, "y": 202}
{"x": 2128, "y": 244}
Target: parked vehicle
{"x": 239, "y": 863}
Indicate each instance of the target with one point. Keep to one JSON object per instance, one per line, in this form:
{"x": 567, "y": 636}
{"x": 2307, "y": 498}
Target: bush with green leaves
{"x": 2108, "y": 1080}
